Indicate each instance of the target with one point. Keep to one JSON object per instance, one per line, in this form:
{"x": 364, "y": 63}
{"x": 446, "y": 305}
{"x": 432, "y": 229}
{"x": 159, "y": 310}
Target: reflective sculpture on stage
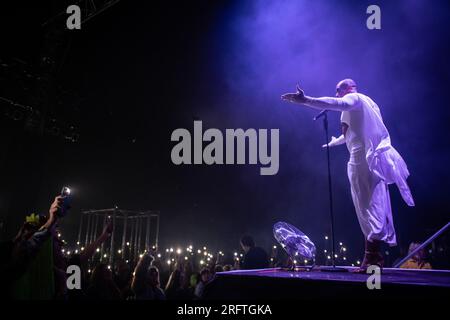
{"x": 295, "y": 242}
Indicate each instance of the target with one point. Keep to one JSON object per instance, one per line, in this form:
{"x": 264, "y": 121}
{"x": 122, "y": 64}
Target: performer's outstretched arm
{"x": 347, "y": 103}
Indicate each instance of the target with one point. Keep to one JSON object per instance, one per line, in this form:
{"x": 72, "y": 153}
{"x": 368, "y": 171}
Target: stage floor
{"x": 390, "y": 275}
{"x": 281, "y": 284}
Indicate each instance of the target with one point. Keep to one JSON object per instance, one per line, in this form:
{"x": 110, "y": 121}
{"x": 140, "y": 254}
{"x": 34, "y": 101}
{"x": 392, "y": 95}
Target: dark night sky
{"x": 144, "y": 69}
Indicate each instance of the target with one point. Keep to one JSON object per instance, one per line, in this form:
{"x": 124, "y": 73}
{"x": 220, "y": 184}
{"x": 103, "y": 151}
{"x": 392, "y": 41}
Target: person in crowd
{"x": 193, "y": 281}
{"x": 146, "y": 282}
{"x": 173, "y": 284}
{"x": 186, "y": 291}
{"x": 255, "y": 257}
{"x": 102, "y": 285}
{"x": 155, "y": 285}
{"x": 205, "y": 278}
{"x": 418, "y": 260}
{"x": 27, "y": 260}
{"x": 81, "y": 260}
{"x": 177, "y": 287}
{"x": 122, "y": 278}
{"x": 227, "y": 267}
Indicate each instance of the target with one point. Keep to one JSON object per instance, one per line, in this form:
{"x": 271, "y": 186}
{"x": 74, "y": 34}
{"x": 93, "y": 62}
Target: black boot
{"x": 372, "y": 256}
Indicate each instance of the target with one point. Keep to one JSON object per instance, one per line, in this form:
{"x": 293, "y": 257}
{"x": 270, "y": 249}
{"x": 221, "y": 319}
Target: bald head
{"x": 344, "y": 87}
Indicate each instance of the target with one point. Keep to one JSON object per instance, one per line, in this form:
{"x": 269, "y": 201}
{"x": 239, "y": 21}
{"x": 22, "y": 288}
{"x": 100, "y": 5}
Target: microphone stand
{"x": 333, "y": 268}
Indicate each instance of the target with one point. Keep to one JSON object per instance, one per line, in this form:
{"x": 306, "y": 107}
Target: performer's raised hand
{"x": 108, "y": 229}
{"x": 297, "y": 97}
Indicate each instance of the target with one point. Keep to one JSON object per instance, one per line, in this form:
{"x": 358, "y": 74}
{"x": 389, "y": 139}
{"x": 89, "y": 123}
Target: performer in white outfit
{"x": 373, "y": 164}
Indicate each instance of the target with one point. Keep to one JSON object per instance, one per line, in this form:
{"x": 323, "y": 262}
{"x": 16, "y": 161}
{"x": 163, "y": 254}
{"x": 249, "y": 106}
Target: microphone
{"x": 320, "y": 115}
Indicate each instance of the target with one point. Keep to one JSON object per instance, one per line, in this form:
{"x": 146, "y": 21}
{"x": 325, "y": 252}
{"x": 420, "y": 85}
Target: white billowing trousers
{"x": 371, "y": 199}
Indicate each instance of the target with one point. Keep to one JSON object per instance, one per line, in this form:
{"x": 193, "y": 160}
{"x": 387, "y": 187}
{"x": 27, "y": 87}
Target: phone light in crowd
{"x": 358, "y": 262}
{"x": 89, "y": 270}
{"x": 169, "y": 262}
{"x": 68, "y": 253}
{"x": 185, "y": 258}
{"x": 235, "y": 254}
{"x": 344, "y": 258}
{"x": 340, "y": 243}
{"x": 328, "y": 257}
{"x": 344, "y": 249}
{"x": 82, "y": 248}
{"x": 190, "y": 247}
{"x": 242, "y": 255}
{"x": 199, "y": 251}
{"x": 202, "y": 262}
{"x": 127, "y": 261}
{"x": 98, "y": 250}
{"x": 109, "y": 267}
{"x": 141, "y": 255}
{"x": 105, "y": 255}
{"x": 306, "y": 261}
{"x": 326, "y": 237}
{"x": 171, "y": 250}
{"x": 173, "y": 260}
{"x": 178, "y": 251}
{"x": 153, "y": 247}
{"x": 167, "y": 250}
{"x": 353, "y": 264}
{"x": 271, "y": 259}
{"x": 237, "y": 259}
{"x": 295, "y": 261}
{"x": 62, "y": 250}
{"x": 220, "y": 252}
{"x": 209, "y": 259}
{"x": 325, "y": 251}
{"x": 78, "y": 243}
{"x": 59, "y": 235}
{"x": 204, "y": 248}
{"x": 128, "y": 244}
{"x": 76, "y": 251}
{"x": 159, "y": 255}
{"x": 119, "y": 251}
{"x": 205, "y": 253}
{"x": 274, "y": 247}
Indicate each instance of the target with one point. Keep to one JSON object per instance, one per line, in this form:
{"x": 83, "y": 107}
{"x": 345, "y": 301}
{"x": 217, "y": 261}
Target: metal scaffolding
{"x": 89, "y": 9}
{"x": 134, "y": 232}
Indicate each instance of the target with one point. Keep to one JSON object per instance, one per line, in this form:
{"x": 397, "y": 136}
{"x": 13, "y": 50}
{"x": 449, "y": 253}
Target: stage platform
{"x": 276, "y": 284}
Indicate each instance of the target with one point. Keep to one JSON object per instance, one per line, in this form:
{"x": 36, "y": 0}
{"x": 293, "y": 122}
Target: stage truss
{"x": 134, "y": 233}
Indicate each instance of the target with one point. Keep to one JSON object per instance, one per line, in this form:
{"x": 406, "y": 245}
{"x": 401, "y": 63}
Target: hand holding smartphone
{"x": 66, "y": 198}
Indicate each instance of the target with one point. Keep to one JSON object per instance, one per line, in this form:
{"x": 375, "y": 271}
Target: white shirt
{"x": 367, "y": 138}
